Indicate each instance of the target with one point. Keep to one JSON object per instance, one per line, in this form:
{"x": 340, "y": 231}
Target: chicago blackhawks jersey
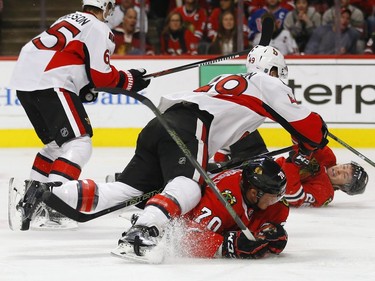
{"x": 241, "y": 103}
{"x": 74, "y": 51}
{"x": 310, "y": 186}
{"x": 209, "y": 220}
{"x": 195, "y": 20}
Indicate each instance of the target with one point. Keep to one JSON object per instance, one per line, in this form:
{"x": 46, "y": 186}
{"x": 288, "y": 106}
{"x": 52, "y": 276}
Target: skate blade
{"x": 150, "y": 256}
{"x": 16, "y": 193}
{"x": 47, "y": 225}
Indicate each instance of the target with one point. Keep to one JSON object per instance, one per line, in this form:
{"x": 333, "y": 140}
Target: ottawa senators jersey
{"x": 74, "y": 51}
{"x": 309, "y": 186}
{"x": 241, "y": 103}
{"x": 209, "y": 220}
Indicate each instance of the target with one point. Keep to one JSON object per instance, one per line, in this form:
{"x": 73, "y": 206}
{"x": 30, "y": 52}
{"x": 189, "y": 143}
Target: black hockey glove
{"x": 88, "y": 95}
{"x": 236, "y": 245}
{"x": 135, "y": 80}
{"x": 302, "y": 157}
{"x": 275, "y": 235}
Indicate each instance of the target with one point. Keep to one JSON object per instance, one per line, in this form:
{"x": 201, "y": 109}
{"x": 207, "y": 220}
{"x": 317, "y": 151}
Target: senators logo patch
{"x": 227, "y": 194}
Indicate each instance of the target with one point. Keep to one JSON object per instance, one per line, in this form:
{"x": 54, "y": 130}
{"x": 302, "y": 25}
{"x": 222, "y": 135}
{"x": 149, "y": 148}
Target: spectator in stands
{"x": 214, "y": 19}
{"x": 272, "y": 6}
{"x": 251, "y": 6}
{"x": 225, "y": 40}
{"x": 207, "y": 5}
{"x": 176, "y": 39}
{"x": 128, "y": 38}
{"x": 194, "y": 17}
{"x": 356, "y": 17}
{"x": 369, "y": 13}
{"x": 281, "y": 39}
{"x": 370, "y": 46}
{"x": 322, "y": 41}
{"x": 321, "y": 5}
{"x": 119, "y": 12}
{"x": 301, "y": 22}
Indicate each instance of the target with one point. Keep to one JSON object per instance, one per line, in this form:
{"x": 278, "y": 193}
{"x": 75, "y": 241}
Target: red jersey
{"x": 130, "y": 44}
{"x": 209, "y": 220}
{"x": 214, "y": 23}
{"x": 309, "y": 186}
{"x": 195, "y": 21}
{"x": 185, "y": 44}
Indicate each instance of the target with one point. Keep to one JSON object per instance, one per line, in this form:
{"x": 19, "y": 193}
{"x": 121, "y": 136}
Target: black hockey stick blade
{"x": 243, "y": 162}
{"x": 196, "y": 64}
{"x": 356, "y": 152}
{"x": 267, "y": 31}
{"x": 59, "y": 205}
{"x": 186, "y": 152}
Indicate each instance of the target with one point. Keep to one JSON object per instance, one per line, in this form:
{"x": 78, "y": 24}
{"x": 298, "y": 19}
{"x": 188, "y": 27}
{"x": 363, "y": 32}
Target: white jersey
{"x": 241, "y": 103}
{"x": 74, "y": 51}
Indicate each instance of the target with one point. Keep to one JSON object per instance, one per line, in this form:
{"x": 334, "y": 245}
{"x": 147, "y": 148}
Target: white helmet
{"x": 266, "y": 57}
{"x": 101, "y": 4}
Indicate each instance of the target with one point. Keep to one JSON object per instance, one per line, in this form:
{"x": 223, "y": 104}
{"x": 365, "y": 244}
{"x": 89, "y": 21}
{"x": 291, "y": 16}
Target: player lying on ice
{"x": 310, "y": 185}
{"x": 314, "y": 184}
{"x": 211, "y": 117}
{"x": 208, "y": 231}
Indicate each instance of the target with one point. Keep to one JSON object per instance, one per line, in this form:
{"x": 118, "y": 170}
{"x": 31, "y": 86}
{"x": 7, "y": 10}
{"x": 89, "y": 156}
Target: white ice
{"x": 332, "y": 243}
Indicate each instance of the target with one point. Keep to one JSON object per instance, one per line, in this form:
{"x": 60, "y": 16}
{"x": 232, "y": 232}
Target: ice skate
{"x": 24, "y": 197}
{"x": 141, "y": 244}
{"x": 46, "y": 218}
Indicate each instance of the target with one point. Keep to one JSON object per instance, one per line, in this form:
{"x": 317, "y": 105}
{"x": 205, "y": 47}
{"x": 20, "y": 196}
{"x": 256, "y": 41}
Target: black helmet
{"x": 359, "y": 180}
{"x": 265, "y": 175}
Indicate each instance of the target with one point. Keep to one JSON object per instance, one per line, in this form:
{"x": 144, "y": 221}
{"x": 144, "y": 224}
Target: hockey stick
{"x": 186, "y": 152}
{"x": 243, "y": 162}
{"x": 267, "y": 30}
{"x": 356, "y": 152}
{"x": 59, "y": 205}
{"x": 195, "y": 64}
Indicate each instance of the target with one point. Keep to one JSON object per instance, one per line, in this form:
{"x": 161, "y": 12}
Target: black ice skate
{"x": 140, "y": 243}
{"x": 24, "y": 198}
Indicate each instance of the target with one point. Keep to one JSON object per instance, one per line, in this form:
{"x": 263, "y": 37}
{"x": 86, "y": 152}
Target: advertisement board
{"x": 341, "y": 90}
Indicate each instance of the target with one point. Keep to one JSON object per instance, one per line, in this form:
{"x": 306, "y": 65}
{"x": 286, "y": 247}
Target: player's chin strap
{"x": 186, "y": 152}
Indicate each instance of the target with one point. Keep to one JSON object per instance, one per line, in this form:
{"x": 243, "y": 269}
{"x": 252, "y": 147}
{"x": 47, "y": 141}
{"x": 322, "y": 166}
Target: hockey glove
{"x": 275, "y": 235}
{"x": 135, "y": 81}
{"x": 302, "y": 157}
{"x": 236, "y": 245}
{"x": 88, "y": 95}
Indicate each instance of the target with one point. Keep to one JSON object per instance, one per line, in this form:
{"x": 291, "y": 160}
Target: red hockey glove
{"x": 275, "y": 235}
{"x": 135, "y": 81}
{"x": 236, "y": 245}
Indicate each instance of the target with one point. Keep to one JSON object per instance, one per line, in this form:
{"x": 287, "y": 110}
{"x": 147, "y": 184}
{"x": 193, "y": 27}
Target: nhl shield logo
{"x": 64, "y": 132}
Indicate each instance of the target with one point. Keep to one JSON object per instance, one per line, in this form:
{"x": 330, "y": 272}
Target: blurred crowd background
{"x": 202, "y": 27}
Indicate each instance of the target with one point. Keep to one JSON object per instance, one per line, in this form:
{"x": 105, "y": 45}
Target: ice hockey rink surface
{"x": 332, "y": 243}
